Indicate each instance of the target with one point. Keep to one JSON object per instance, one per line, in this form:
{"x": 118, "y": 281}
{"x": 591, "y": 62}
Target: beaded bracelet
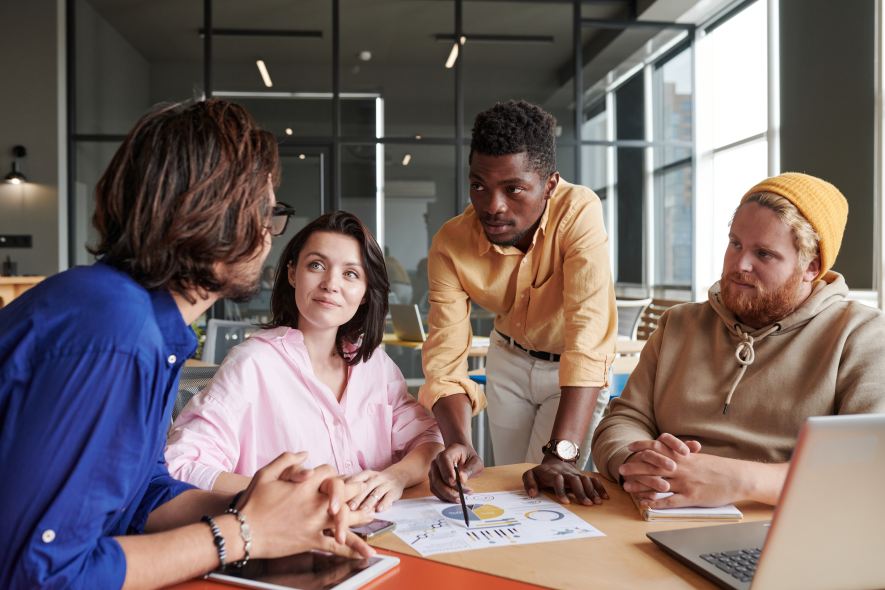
{"x": 245, "y": 534}
{"x": 217, "y": 539}
{"x": 236, "y": 499}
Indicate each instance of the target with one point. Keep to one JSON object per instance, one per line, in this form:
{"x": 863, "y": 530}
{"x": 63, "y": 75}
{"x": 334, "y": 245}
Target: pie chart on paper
{"x": 475, "y": 512}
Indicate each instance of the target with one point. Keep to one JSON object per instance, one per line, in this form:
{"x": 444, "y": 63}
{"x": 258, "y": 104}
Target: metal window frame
{"x": 336, "y": 140}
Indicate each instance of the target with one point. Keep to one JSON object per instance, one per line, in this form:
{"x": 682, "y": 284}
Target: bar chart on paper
{"x": 496, "y": 519}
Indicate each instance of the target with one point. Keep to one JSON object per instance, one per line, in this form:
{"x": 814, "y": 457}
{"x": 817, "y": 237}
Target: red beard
{"x": 760, "y": 307}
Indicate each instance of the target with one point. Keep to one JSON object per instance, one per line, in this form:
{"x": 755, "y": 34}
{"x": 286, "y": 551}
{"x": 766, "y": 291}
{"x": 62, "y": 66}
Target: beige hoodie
{"x": 827, "y": 357}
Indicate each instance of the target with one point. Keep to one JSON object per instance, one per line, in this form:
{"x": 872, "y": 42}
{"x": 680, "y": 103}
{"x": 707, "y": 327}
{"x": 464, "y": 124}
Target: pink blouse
{"x": 265, "y": 399}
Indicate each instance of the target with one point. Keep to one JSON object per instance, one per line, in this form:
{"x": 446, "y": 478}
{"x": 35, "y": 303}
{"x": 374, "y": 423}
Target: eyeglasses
{"x": 280, "y": 218}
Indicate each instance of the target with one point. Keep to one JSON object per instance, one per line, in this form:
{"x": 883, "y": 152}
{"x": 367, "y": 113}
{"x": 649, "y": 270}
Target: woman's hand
{"x": 381, "y": 489}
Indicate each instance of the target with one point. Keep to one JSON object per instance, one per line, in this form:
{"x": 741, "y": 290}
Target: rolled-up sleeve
{"x": 58, "y": 521}
{"x": 444, "y": 355}
{"x": 589, "y": 309}
{"x": 161, "y": 488}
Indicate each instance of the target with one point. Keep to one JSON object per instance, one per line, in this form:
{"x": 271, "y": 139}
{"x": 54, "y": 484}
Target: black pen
{"x": 461, "y": 494}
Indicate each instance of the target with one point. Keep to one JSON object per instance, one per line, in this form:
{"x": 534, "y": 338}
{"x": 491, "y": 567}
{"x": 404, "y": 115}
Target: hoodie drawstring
{"x": 745, "y": 355}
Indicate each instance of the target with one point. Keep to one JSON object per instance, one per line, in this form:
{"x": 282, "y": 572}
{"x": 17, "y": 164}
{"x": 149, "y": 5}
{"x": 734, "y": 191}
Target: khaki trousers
{"x": 523, "y": 396}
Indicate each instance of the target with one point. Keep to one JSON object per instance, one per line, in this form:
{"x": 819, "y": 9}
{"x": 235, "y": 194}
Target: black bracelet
{"x": 235, "y": 500}
{"x": 217, "y": 539}
{"x": 245, "y": 534}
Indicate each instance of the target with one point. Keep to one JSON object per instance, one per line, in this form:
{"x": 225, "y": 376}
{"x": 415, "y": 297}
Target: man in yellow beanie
{"x": 712, "y": 411}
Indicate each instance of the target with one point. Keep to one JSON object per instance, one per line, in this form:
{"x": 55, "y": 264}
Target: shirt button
{"x": 518, "y": 324}
{"x": 523, "y": 261}
{"x": 172, "y": 358}
{"x": 48, "y": 536}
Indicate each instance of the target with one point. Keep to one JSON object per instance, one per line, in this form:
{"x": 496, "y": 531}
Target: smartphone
{"x": 374, "y": 528}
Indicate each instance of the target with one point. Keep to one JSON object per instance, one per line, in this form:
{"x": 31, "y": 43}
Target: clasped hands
{"x": 292, "y": 509}
{"x": 668, "y": 464}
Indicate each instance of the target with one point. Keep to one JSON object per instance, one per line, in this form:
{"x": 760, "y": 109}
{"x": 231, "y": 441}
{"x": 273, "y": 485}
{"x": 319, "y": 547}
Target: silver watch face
{"x": 566, "y": 450}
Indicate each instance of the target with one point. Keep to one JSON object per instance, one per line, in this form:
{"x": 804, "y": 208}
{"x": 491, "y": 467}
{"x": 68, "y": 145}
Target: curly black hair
{"x": 514, "y": 127}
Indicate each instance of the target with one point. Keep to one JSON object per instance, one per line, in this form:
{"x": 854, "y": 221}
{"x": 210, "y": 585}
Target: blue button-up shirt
{"x": 89, "y": 364}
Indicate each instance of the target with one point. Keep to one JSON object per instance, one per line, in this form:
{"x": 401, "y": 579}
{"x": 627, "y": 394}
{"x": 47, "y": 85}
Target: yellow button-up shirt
{"x": 556, "y": 297}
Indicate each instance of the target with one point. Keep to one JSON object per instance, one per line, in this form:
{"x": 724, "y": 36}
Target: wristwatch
{"x": 564, "y": 450}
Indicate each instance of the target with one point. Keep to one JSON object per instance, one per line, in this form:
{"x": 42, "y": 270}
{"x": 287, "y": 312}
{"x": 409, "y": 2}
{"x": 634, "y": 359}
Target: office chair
{"x": 192, "y": 381}
{"x": 222, "y": 335}
{"x": 629, "y": 313}
{"x": 648, "y": 319}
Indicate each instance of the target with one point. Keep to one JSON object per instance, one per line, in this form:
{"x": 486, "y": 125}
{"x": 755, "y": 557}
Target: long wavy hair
{"x": 188, "y": 188}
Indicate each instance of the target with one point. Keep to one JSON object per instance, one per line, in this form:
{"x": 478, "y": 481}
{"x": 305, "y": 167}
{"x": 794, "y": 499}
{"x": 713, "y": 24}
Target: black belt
{"x": 538, "y": 354}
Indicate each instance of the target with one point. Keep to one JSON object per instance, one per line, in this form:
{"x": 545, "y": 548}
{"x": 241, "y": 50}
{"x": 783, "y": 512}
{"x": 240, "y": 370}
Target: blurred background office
{"x": 668, "y": 109}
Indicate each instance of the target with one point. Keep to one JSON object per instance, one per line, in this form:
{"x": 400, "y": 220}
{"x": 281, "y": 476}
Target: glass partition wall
{"x": 372, "y": 102}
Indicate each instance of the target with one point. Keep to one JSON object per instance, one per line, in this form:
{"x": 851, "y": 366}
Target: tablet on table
{"x": 312, "y": 570}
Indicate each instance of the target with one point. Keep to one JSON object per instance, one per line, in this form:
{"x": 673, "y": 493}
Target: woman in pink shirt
{"x": 314, "y": 381}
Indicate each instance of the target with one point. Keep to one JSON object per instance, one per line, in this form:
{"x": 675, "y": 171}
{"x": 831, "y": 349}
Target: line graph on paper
{"x": 496, "y": 519}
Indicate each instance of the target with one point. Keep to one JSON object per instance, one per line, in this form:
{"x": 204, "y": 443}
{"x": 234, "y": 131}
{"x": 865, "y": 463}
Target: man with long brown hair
{"x": 89, "y": 364}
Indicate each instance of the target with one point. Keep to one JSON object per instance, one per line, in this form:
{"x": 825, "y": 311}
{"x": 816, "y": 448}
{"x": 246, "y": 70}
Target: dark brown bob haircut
{"x": 187, "y": 189}
{"x": 366, "y": 328}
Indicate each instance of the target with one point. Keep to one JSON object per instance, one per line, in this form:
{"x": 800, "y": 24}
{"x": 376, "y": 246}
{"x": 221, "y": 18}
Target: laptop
{"x": 407, "y": 324}
{"x": 828, "y": 530}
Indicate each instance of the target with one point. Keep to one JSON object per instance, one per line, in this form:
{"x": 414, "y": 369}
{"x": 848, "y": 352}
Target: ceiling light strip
{"x": 453, "y": 56}
{"x": 265, "y": 75}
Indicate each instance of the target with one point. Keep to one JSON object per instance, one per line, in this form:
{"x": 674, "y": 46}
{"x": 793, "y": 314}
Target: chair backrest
{"x": 621, "y": 369}
{"x": 629, "y": 312}
{"x": 648, "y": 321}
{"x": 222, "y": 335}
{"x": 192, "y": 381}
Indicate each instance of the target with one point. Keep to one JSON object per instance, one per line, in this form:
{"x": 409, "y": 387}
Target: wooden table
{"x": 12, "y": 287}
{"x": 628, "y": 346}
{"x": 392, "y": 340}
{"x": 198, "y": 363}
{"x": 624, "y": 558}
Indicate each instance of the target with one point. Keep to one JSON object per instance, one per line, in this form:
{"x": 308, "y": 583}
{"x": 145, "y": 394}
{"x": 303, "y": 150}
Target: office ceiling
{"x": 396, "y": 32}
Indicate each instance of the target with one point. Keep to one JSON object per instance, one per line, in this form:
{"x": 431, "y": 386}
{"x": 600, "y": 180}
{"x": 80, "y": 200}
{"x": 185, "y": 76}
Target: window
{"x": 673, "y": 206}
{"x": 732, "y": 139}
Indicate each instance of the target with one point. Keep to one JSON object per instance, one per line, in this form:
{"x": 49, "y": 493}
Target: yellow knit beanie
{"x": 821, "y": 203}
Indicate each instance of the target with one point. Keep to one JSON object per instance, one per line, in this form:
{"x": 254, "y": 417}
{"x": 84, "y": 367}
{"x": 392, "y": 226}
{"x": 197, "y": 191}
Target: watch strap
{"x": 550, "y": 449}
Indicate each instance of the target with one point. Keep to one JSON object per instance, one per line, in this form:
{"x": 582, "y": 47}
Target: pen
{"x": 461, "y": 494}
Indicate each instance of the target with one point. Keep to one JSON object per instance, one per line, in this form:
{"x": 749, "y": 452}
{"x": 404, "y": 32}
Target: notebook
{"x": 726, "y": 513}
{"x": 827, "y": 529}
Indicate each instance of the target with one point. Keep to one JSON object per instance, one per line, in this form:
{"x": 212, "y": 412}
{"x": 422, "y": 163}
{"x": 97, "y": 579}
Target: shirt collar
{"x": 176, "y": 334}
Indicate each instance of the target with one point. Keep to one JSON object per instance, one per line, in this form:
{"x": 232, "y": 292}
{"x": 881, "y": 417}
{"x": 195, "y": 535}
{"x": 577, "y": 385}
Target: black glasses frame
{"x": 279, "y": 218}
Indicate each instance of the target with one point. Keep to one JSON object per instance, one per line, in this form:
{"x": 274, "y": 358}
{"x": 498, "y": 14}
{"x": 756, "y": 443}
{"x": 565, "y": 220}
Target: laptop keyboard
{"x": 740, "y": 564}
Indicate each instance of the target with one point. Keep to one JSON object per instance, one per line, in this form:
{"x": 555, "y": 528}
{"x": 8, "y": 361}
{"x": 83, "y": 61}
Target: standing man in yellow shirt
{"x": 532, "y": 249}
